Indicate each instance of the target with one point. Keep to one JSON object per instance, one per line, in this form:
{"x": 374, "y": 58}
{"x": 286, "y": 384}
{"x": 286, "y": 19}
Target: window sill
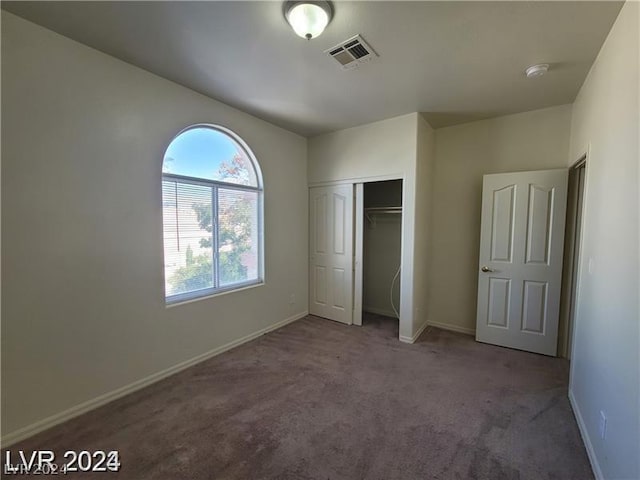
{"x": 240, "y": 288}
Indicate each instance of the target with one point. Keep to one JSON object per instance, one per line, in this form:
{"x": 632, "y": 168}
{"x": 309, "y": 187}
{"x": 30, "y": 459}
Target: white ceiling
{"x": 453, "y": 61}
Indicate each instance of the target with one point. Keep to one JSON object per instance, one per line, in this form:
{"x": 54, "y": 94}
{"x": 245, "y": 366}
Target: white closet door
{"x": 331, "y": 246}
{"x": 521, "y": 244}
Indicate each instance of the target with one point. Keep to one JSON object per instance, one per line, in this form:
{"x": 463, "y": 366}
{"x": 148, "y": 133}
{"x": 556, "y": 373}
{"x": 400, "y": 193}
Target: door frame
{"x": 358, "y": 277}
{"x": 358, "y": 250}
{"x": 354, "y": 180}
{"x": 573, "y": 257}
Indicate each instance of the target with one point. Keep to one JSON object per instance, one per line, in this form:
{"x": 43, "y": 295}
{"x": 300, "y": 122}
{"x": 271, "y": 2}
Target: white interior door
{"x": 521, "y": 243}
{"x": 331, "y": 263}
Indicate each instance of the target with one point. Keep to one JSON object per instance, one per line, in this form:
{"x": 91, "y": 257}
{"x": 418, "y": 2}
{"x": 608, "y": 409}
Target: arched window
{"x": 212, "y": 214}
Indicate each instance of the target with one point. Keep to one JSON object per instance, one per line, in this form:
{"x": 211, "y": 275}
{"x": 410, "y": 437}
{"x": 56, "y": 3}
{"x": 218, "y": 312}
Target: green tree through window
{"x": 234, "y": 233}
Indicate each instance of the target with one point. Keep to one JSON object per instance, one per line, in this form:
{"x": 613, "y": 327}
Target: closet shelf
{"x": 371, "y": 212}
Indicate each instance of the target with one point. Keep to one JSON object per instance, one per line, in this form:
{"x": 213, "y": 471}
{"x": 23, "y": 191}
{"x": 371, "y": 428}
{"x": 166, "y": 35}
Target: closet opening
{"x": 380, "y": 239}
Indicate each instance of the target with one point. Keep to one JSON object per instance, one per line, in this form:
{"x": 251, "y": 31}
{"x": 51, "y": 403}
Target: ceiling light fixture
{"x": 308, "y": 18}
{"x": 537, "y": 70}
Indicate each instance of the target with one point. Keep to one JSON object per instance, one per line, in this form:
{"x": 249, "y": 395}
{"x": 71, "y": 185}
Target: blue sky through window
{"x": 199, "y": 152}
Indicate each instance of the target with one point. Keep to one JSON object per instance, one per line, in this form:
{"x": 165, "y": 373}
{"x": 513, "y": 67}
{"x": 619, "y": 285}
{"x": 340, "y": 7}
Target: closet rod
{"x": 380, "y": 210}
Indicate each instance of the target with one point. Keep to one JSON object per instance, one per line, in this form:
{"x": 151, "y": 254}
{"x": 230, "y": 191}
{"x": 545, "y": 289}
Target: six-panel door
{"x": 331, "y": 259}
{"x": 521, "y": 243}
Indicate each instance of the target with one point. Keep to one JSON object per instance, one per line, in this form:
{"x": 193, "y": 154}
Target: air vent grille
{"x": 358, "y": 51}
{"x": 352, "y": 53}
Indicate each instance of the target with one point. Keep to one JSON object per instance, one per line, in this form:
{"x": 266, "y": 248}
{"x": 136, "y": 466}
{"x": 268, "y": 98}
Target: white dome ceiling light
{"x": 537, "y": 70}
{"x": 308, "y": 19}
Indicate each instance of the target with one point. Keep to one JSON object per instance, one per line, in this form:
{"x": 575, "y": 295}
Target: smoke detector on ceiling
{"x": 352, "y": 53}
{"x": 536, "y": 70}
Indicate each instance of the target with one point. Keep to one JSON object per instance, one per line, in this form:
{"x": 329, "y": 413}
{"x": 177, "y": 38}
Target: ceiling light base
{"x": 308, "y": 18}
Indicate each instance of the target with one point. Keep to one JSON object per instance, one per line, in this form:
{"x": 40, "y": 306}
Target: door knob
{"x": 486, "y": 269}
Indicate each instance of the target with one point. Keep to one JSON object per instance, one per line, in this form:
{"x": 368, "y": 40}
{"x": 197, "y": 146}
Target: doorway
{"x": 573, "y": 236}
{"x": 378, "y": 244}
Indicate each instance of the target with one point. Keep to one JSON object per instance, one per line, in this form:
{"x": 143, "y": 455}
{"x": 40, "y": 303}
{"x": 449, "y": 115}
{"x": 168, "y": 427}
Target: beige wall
{"x": 385, "y": 148}
{"x": 534, "y": 140}
{"x": 83, "y": 313}
{"x": 423, "y": 219}
{"x": 605, "y": 367}
{"x": 368, "y": 152}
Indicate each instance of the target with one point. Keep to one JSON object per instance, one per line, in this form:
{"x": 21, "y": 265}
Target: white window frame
{"x": 215, "y": 185}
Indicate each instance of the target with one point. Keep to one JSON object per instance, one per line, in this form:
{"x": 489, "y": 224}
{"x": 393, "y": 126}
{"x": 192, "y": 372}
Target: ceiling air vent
{"x": 352, "y": 52}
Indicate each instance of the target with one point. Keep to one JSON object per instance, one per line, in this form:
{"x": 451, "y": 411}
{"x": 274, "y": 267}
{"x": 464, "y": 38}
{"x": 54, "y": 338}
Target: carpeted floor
{"x": 320, "y": 400}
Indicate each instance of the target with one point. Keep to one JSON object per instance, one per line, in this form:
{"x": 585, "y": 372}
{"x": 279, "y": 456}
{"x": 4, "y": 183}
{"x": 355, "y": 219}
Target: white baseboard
{"x": 379, "y": 311}
{"x": 584, "y": 433}
{"x": 96, "y": 402}
{"x": 415, "y": 335}
{"x": 453, "y": 328}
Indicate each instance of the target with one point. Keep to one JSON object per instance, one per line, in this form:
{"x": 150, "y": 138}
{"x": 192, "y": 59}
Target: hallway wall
{"x": 605, "y": 366}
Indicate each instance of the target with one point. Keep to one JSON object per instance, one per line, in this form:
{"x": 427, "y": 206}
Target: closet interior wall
{"x": 382, "y": 241}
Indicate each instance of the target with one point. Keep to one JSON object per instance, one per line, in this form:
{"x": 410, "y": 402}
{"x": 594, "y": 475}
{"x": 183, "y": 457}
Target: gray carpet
{"x": 320, "y": 400}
